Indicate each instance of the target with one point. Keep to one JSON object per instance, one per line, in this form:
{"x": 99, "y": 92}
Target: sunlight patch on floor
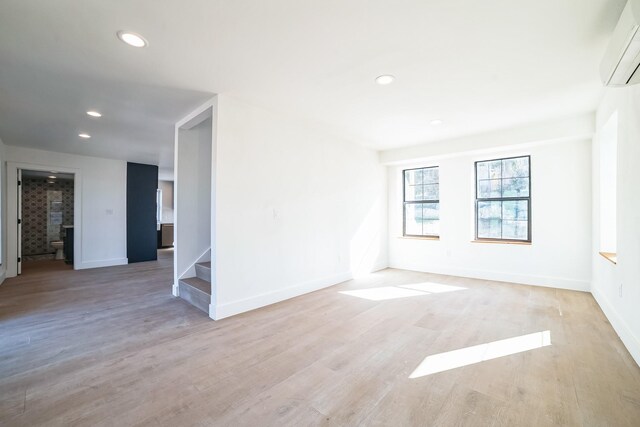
{"x": 384, "y": 293}
{"x": 402, "y": 291}
{"x": 479, "y": 353}
{"x": 432, "y": 288}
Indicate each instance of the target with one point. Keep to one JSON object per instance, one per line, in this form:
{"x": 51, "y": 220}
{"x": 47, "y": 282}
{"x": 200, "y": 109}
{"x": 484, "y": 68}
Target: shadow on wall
{"x": 365, "y": 244}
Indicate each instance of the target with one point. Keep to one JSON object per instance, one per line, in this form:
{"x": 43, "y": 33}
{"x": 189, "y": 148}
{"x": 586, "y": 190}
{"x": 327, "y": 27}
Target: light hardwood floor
{"x": 112, "y": 347}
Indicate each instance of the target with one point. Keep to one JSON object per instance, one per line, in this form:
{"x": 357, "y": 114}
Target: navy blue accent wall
{"x": 142, "y": 237}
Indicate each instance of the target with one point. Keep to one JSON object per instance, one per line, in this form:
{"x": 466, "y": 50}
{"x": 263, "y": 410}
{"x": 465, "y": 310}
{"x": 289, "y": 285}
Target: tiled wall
{"x": 40, "y": 201}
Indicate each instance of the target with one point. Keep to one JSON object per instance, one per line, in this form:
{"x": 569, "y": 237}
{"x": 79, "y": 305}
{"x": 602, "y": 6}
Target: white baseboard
{"x": 212, "y": 311}
{"x": 220, "y": 311}
{"x": 549, "y": 282}
{"x": 619, "y": 325}
{"x": 102, "y": 263}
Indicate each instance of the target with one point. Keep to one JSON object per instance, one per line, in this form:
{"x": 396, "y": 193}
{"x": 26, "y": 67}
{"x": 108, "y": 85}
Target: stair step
{"x": 203, "y": 271}
{"x": 197, "y": 292}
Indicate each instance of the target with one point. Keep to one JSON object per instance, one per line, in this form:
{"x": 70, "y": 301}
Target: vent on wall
{"x": 620, "y": 65}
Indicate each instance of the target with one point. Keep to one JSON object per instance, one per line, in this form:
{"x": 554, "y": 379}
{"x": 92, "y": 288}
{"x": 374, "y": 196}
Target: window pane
{"x": 431, "y": 219}
{"x": 430, "y": 211}
{"x": 515, "y": 168}
{"x": 430, "y": 176}
{"x": 431, "y": 227}
{"x": 413, "y": 219}
{"x": 495, "y": 169}
{"x": 409, "y": 185}
{"x": 490, "y": 189}
{"x": 515, "y": 210}
{"x": 410, "y": 177}
{"x": 422, "y": 219}
{"x": 431, "y": 192}
{"x": 515, "y": 187}
{"x": 515, "y": 230}
{"x": 489, "y": 220}
{"x": 413, "y": 177}
{"x": 482, "y": 170}
{"x": 412, "y": 193}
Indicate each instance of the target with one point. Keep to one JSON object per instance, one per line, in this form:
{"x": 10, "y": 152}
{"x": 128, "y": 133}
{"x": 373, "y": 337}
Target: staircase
{"x": 197, "y": 290}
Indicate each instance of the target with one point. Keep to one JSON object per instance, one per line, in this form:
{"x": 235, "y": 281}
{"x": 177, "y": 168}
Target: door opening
{"x": 45, "y": 221}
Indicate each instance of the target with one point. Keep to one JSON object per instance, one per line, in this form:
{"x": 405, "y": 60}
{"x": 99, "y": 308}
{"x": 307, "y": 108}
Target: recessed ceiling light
{"x": 51, "y": 182}
{"x": 385, "y": 79}
{"x": 435, "y": 122}
{"x": 51, "y": 177}
{"x": 132, "y": 39}
{"x": 84, "y": 135}
{"x": 93, "y": 113}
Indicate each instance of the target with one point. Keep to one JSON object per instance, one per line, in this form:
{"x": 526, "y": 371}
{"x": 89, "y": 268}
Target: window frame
{"x": 502, "y": 199}
{"x": 405, "y": 202}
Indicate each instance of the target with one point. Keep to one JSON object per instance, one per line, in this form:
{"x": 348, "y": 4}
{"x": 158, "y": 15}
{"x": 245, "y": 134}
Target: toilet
{"x": 58, "y": 245}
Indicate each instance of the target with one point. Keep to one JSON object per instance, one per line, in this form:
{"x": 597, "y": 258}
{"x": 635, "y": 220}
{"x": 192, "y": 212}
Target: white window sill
{"x": 502, "y": 242}
{"x": 420, "y": 237}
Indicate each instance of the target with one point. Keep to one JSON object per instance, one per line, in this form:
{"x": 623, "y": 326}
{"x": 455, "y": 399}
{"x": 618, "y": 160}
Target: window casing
{"x": 503, "y": 199}
{"x": 421, "y": 202}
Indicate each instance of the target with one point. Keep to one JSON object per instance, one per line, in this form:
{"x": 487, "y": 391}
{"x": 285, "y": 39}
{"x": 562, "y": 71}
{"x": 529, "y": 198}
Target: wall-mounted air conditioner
{"x": 621, "y": 62}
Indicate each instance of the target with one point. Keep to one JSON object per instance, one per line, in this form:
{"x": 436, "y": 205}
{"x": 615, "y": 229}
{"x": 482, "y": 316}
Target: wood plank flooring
{"x": 112, "y": 347}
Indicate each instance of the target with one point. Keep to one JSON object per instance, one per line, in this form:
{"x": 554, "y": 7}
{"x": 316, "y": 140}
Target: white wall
{"x": 297, "y": 210}
{"x": 559, "y": 255}
{"x": 192, "y": 197}
{"x": 103, "y": 203}
{"x": 617, "y": 287}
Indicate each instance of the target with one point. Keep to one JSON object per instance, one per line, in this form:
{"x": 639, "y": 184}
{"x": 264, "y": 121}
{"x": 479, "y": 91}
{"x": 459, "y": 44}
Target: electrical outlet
{"x": 620, "y": 290}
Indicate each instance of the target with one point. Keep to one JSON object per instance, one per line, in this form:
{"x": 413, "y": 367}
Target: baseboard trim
{"x": 103, "y": 263}
{"x": 544, "y": 281}
{"x": 221, "y": 311}
{"x": 619, "y": 325}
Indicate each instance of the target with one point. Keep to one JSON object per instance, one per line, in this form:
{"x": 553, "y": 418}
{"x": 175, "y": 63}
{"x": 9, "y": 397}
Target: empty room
{"x": 305, "y": 213}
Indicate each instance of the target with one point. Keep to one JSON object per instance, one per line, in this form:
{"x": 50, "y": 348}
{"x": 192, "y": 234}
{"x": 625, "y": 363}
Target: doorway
{"x": 46, "y": 216}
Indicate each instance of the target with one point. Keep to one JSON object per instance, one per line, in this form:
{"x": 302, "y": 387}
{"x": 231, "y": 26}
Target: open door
{"x": 19, "y": 213}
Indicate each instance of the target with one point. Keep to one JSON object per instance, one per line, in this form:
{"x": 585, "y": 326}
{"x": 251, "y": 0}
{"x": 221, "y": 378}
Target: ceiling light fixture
{"x": 385, "y": 79}
{"x": 84, "y": 135}
{"x": 435, "y": 122}
{"x": 132, "y": 39}
{"x": 51, "y": 177}
{"x": 93, "y": 113}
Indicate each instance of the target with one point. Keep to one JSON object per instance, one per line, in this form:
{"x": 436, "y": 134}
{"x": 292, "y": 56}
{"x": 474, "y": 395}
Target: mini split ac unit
{"x": 621, "y": 62}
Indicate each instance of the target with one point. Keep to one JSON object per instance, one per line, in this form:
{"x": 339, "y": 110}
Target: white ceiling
{"x": 477, "y": 65}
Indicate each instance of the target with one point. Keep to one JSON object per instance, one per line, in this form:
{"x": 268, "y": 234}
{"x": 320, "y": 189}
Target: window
{"x": 158, "y": 205}
{"x": 421, "y": 202}
{"x": 503, "y": 199}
